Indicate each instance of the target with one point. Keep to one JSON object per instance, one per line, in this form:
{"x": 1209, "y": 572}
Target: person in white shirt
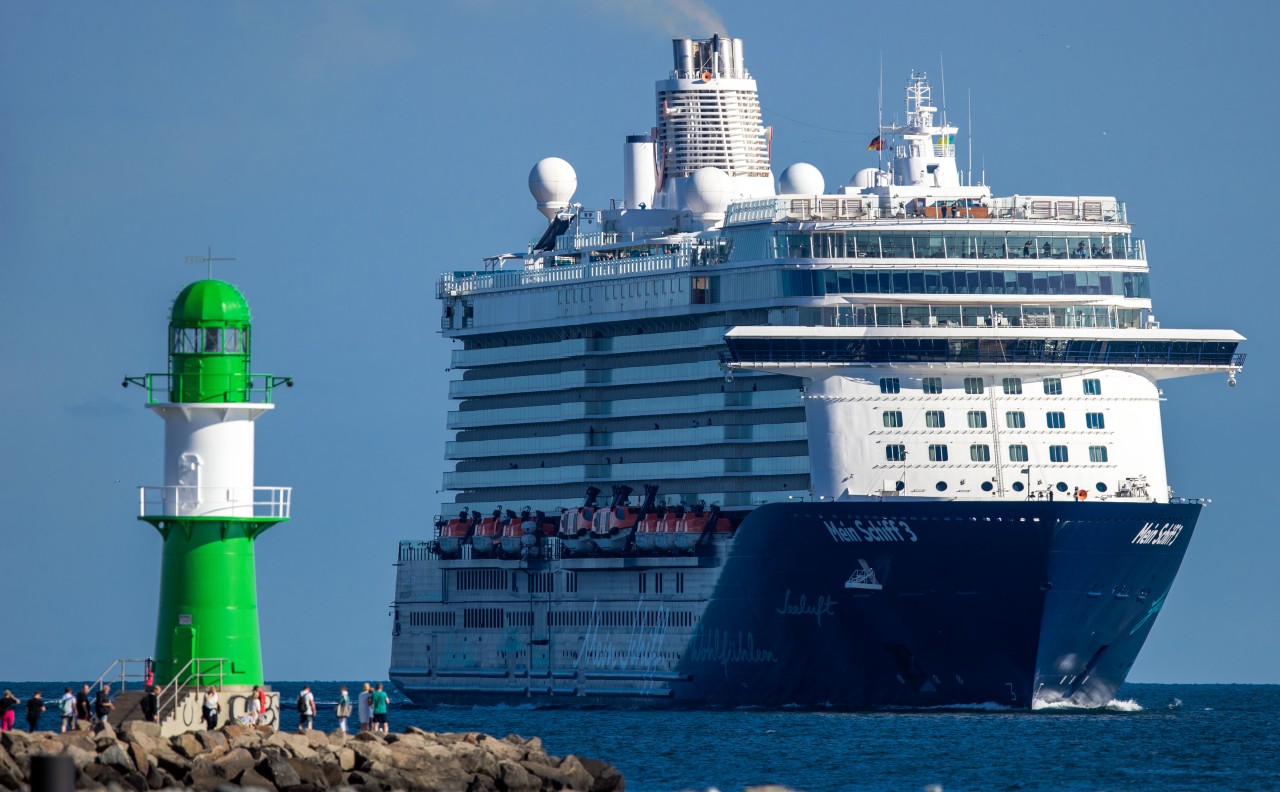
{"x": 67, "y": 708}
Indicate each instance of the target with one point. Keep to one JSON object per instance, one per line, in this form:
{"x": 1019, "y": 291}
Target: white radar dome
{"x": 708, "y": 193}
{"x": 801, "y": 179}
{"x": 552, "y": 182}
{"x": 866, "y": 178}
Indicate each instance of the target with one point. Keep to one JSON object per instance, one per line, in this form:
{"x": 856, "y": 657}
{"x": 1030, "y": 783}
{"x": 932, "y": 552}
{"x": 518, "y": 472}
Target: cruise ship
{"x": 734, "y": 440}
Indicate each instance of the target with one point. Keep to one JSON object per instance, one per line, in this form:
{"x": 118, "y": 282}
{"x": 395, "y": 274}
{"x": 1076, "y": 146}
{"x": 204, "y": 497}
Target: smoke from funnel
{"x": 675, "y": 17}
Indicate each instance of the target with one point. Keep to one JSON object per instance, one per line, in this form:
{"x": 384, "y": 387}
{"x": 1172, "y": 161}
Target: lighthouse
{"x": 209, "y": 511}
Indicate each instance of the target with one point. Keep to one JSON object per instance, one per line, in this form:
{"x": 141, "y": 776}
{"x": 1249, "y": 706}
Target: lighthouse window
{"x": 931, "y": 384}
{"x": 977, "y": 419}
{"x": 1017, "y": 453}
{"x": 980, "y": 452}
{"x": 1057, "y": 453}
{"x": 1013, "y": 386}
{"x": 973, "y": 385}
{"x": 1092, "y": 387}
{"x": 1097, "y": 453}
{"x": 895, "y": 452}
{"x": 935, "y": 419}
{"x": 1055, "y": 420}
{"x": 1015, "y": 419}
{"x": 937, "y": 453}
{"x": 1052, "y": 386}
{"x": 893, "y": 418}
{"x": 1095, "y": 421}
{"x": 890, "y": 385}
{"x": 231, "y": 340}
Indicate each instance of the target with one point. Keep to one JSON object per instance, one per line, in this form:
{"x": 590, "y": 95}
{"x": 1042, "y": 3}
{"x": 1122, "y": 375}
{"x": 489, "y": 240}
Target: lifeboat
{"x": 509, "y": 541}
{"x": 612, "y": 529}
{"x": 484, "y": 540}
{"x": 647, "y": 533}
{"x": 452, "y": 534}
{"x": 695, "y": 529}
{"x": 665, "y": 539}
{"x": 575, "y": 526}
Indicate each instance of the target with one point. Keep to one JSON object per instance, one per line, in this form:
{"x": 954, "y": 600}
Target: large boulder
{"x": 252, "y": 779}
{"x": 114, "y": 755}
{"x": 607, "y": 778}
{"x": 278, "y": 770}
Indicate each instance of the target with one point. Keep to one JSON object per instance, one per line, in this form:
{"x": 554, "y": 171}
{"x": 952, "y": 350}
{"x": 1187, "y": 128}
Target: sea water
{"x": 1158, "y": 737}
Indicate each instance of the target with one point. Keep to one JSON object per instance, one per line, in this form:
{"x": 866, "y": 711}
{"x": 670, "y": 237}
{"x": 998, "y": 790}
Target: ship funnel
{"x": 639, "y": 179}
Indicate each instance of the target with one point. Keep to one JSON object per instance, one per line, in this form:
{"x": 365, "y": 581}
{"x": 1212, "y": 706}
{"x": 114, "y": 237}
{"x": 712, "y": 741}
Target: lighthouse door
{"x": 184, "y": 649}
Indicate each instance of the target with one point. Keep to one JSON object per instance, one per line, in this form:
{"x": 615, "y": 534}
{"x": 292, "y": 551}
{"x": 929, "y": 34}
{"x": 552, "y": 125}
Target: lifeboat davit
{"x": 575, "y": 526}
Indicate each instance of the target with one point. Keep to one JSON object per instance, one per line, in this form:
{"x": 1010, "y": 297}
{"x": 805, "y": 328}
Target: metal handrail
{"x": 124, "y": 675}
{"x": 180, "y": 682}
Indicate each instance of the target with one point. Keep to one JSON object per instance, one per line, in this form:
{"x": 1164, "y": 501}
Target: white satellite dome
{"x": 801, "y": 179}
{"x": 866, "y": 178}
{"x": 552, "y": 182}
{"x": 708, "y": 193}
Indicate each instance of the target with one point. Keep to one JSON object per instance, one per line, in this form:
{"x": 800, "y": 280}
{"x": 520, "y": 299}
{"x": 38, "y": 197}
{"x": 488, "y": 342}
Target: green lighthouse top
{"x": 210, "y": 302}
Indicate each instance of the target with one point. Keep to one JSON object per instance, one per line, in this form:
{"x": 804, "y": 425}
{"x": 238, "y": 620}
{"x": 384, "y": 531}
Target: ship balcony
{"x": 215, "y": 503}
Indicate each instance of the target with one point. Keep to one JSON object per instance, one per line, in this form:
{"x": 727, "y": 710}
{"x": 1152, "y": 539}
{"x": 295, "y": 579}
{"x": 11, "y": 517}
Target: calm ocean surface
{"x": 1165, "y": 737}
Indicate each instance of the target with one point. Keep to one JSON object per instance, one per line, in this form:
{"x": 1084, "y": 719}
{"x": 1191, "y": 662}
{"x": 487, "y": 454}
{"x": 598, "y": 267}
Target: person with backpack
{"x": 67, "y": 709}
{"x": 379, "y": 702}
{"x": 306, "y": 709}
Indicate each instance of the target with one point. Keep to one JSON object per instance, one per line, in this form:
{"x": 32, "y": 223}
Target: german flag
{"x": 877, "y": 144}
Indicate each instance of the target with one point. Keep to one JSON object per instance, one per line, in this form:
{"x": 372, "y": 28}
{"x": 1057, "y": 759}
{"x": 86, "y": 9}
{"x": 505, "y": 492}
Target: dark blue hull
{"x": 912, "y": 604}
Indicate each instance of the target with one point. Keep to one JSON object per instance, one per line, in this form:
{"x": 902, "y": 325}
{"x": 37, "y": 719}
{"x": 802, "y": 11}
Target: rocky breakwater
{"x": 139, "y": 758}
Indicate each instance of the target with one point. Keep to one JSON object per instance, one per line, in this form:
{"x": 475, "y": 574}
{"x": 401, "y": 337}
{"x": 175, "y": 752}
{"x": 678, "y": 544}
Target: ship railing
{"x": 269, "y": 503}
{"x": 457, "y": 283}
{"x": 1073, "y": 209}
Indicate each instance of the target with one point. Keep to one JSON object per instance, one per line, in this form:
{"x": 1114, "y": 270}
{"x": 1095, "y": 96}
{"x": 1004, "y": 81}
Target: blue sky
{"x": 346, "y": 154}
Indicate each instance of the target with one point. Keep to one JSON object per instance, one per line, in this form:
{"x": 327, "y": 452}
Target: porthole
{"x": 1061, "y": 486}
{"x": 941, "y": 486}
{"x": 1100, "y": 487}
{"x": 900, "y": 486}
{"x": 1018, "y": 486}
{"x": 987, "y": 486}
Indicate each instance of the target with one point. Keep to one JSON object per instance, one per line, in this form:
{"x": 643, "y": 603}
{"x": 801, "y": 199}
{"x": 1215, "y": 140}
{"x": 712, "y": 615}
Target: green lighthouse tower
{"x": 209, "y": 510}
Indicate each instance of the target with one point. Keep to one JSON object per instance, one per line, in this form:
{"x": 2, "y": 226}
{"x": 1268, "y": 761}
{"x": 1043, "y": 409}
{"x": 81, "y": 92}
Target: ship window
{"x": 1100, "y": 487}
{"x": 1018, "y": 486}
{"x": 895, "y": 452}
{"x": 1093, "y": 387}
{"x": 935, "y": 419}
{"x": 1015, "y": 419}
{"x": 1057, "y": 453}
{"x": 893, "y": 418}
{"x": 941, "y": 486}
{"x": 973, "y": 385}
{"x": 890, "y": 385}
{"x": 1061, "y": 486}
{"x": 980, "y": 452}
{"x": 679, "y": 582}
{"x": 931, "y": 384}
{"x": 1017, "y": 453}
{"x": 1095, "y": 420}
{"x": 1055, "y": 420}
{"x": 1012, "y": 385}
{"x": 1097, "y": 453}
{"x": 977, "y": 419}
{"x": 938, "y": 453}
{"x": 1052, "y": 386}
{"x": 987, "y": 486}
{"x": 644, "y": 579}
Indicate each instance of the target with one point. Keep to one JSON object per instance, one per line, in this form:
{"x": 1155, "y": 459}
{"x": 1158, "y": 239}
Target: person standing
{"x": 67, "y": 709}
{"x": 151, "y": 704}
{"x": 253, "y": 707}
{"x": 343, "y": 710}
{"x": 102, "y": 705}
{"x": 306, "y": 709}
{"x": 210, "y": 708}
{"x": 82, "y": 705}
{"x": 8, "y": 703}
{"x": 366, "y": 709}
{"x": 379, "y": 701}
{"x": 35, "y": 706}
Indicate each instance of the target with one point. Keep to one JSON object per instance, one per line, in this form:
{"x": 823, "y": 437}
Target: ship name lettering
{"x": 870, "y": 530}
{"x": 1158, "y": 534}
